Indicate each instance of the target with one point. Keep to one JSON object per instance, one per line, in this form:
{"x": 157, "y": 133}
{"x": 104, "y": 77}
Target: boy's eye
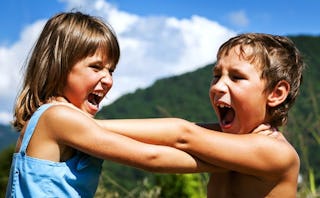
{"x": 237, "y": 77}
{"x": 215, "y": 78}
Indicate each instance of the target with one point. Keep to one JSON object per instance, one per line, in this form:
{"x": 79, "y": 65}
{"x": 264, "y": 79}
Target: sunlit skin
{"x": 98, "y": 81}
{"x": 238, "y": 84}
{"x": 68, "y": 126}
{"x": 252, "y": 160}
{"x": 259, "y": 164}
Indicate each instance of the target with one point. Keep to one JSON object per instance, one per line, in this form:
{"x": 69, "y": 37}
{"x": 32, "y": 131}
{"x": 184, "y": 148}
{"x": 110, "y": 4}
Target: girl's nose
{"x": 106, "y": 80}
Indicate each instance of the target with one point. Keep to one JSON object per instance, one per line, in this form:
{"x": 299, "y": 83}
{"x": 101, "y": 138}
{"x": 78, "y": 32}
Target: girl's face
{"x": 237, "y": 95}
{"x": 88, "y": 82}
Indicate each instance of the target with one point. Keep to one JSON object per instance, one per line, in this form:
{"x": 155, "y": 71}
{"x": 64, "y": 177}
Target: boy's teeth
{"x": 224, "y": 105}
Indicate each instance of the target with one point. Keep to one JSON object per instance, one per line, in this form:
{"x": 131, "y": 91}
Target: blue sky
{"x": 157, "y": 38}
{"x": 274, "y": 16}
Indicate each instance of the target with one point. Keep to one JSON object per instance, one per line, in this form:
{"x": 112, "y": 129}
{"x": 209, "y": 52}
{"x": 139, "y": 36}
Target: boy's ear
{"x": 278, "y": 94}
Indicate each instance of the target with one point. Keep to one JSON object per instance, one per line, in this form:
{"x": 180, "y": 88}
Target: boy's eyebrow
{"x": 236, "y": 70}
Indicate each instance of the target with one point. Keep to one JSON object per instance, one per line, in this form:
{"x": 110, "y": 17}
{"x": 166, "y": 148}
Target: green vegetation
{"x": 5, "y": 163}
{"x": 186, "y": 96}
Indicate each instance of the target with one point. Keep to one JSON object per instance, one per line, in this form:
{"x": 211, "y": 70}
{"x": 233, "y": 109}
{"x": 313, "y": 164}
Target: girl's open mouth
{"x": 95, "y": 98}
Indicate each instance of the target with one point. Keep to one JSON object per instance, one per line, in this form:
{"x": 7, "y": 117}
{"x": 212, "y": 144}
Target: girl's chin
{"x": 91, "y": 109}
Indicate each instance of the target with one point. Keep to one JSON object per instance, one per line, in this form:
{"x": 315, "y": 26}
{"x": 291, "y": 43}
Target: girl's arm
{"x": 259, "y": 154}
{"x": 163, "y": 131}
{"x": 70, "y": 127}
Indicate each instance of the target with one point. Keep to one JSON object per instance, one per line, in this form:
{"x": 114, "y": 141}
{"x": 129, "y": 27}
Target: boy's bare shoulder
{"x": 276, "y": 178}
{"x": 285, "y": 165}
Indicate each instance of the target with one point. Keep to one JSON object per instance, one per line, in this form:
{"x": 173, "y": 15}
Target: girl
{"x": 60, "y": 149}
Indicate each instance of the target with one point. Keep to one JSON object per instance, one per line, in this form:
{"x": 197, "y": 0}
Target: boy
{"x": 256, "y": 80}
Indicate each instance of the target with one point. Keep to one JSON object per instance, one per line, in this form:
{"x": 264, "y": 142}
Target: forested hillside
{"x": 186, "y": 96}
{"x": 7, "y": 136}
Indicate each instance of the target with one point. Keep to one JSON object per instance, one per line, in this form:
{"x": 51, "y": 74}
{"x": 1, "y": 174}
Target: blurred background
{"x": 167, "y": 51}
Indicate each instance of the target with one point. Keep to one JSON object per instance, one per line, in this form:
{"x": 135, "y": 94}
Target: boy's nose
{"x": 218, "y": 87}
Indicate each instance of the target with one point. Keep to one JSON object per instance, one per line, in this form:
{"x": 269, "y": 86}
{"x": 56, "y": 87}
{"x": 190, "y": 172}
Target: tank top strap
{"x": 31, "y": 126}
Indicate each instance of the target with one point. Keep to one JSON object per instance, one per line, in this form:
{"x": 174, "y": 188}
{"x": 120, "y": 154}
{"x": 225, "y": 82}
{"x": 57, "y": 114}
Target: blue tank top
{"x": 32, "y": 177}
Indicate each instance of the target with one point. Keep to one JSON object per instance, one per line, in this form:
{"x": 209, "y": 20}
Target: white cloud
{"x": 239, "y": 18}
{"x": 151, "y": 47}
{"x": 12, "y": 59}
{"x": 5, "y": 118}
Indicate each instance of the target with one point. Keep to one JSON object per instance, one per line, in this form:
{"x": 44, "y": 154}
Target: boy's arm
{"x": 253, "y": 154}
{"x": 267, "y": 154}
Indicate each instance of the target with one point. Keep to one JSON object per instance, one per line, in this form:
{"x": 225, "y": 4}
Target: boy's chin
{"x": 233, "y": 129}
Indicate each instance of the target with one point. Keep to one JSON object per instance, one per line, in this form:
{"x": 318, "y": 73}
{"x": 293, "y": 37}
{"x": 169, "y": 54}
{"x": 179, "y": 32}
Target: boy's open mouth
{"x": 226, "y": 114}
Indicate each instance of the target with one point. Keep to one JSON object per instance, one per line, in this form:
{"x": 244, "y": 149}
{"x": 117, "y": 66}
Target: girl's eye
{"x": 111, "y": 71}
{"x": 96, "y": 67}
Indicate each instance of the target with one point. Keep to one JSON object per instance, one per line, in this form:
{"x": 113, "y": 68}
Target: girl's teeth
{"x": 98, "y": 94}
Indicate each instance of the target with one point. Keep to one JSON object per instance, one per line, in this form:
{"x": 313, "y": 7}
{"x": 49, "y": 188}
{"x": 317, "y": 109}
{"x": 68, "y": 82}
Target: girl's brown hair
{"x": 65, "y": 39}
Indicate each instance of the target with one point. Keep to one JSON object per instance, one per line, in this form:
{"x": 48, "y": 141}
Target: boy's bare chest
{"x": 234, "y": 184}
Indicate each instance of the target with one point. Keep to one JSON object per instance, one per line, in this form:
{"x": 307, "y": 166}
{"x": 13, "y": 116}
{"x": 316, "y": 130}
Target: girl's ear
{"x": 278, "y": 94}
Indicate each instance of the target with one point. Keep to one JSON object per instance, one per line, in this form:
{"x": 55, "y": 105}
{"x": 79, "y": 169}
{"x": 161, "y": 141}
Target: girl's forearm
{"x": 163, "y": 131}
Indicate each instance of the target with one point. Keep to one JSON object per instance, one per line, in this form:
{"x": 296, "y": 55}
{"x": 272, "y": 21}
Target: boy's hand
{"x": 266, "y": 129}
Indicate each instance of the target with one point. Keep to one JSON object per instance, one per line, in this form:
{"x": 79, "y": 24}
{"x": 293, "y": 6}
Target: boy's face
{"x": 88, "y": 82}
{"x": 237, "y": 95}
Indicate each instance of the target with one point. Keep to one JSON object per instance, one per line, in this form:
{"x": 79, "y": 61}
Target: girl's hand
{"x": 266, "y": 129}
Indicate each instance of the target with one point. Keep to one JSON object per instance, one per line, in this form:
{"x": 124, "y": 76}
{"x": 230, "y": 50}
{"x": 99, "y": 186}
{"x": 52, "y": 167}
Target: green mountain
{"x": 184, "y": 96}
{"x": 7, "y": 136}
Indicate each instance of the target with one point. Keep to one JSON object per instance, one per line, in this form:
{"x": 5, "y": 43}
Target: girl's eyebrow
{"x": 96, "y": 62}
{"x": 100, "y": 63}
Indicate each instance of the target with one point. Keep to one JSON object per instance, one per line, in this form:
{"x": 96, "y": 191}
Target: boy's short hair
{"x": 278, "y": 58}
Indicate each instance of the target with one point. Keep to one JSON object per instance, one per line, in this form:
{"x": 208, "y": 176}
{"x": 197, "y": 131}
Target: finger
{"x": 261, "y": 127}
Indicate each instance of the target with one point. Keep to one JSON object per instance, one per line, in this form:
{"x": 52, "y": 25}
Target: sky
{"x": 158, "y": 38}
